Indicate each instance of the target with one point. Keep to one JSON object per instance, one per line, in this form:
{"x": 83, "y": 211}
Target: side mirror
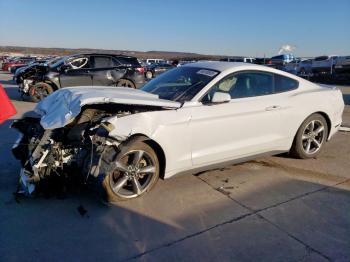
{"x": 221, "y": 97}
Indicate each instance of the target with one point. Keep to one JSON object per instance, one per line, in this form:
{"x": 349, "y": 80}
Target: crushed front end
{"x": 65, "y": 156}
{"x": 62, "y": 144}
{"x": 49, "y": 156}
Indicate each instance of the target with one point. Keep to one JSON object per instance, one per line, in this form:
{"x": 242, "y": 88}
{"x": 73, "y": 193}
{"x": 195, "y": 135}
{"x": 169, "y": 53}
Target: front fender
{"x": 168, "y": 128}
{"x": 126, "y": 126}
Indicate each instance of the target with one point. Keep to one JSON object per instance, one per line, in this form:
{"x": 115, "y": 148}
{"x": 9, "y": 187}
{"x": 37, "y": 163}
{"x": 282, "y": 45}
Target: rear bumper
{"x": 334, "y": 130}
{"x": 338, "y": 106}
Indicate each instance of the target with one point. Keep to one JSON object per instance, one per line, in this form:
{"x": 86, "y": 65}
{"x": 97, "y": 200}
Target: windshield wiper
{"x": 186, "y": 92}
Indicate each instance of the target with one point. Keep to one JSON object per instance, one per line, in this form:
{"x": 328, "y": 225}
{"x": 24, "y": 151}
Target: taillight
{"x": 141, "y": 70}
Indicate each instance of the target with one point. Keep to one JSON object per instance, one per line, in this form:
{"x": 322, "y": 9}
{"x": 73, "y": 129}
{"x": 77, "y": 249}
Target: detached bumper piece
{"x": 26, "y": 185}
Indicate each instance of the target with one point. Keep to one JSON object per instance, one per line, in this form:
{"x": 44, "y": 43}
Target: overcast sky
{"x": 227, "y": 27}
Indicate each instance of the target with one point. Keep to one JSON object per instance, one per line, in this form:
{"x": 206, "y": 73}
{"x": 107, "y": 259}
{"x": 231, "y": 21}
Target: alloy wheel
{"x": 313, "y": 137}
{"x": 132, "y": 174}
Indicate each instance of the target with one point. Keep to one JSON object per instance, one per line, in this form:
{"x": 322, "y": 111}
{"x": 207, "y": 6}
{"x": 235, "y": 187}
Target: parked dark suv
{"x": 153, "y": 70}
{"x": 84, "y": 70}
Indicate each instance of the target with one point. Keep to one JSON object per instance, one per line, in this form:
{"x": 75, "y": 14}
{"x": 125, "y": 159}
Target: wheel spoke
{"x": 136, "y": 186}
{"x": 148, "y": 169}
{"x": 319, "y": 129}
{"x": 137, "y": 157}
{"x": 304, "y": 137}
{"x": 312, "y": 125}
{"x": 120, "y": 167}
{"x": 120, "y": 183}
{"x": 307, "y": 149}
{"x": 316, "y": 143}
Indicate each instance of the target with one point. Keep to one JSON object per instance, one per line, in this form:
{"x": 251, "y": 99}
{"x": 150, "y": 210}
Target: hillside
{"x": 139, "y": 54}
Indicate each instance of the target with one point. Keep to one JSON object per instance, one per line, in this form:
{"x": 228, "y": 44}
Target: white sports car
{"x": 189, "y": 119}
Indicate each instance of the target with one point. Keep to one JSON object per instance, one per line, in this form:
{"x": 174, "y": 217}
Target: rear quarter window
{"x": 128, "y": 61}
{"x": 102, "y": 62}
{"x": 284, "y": 84}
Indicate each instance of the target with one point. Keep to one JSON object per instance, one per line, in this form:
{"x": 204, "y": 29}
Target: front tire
{"x": 132, "y": 172}
{"x": 310, "y": 138}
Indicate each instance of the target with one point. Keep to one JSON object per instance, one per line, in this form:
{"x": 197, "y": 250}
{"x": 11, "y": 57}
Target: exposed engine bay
{"x": 29, "y": 77}
{"x": 69, "y": 152}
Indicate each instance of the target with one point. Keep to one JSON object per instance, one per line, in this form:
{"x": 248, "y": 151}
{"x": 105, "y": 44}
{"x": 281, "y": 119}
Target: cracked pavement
{"x": 269, "y": 209}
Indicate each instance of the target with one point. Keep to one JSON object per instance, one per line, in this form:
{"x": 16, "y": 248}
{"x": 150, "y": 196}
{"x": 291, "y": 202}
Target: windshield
{"x": 180, "y": 84}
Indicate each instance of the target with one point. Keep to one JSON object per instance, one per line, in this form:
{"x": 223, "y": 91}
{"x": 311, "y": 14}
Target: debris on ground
{"x": 223, "y": 191}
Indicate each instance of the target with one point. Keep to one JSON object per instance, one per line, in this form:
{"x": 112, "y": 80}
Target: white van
{"x": 154, "y": 61}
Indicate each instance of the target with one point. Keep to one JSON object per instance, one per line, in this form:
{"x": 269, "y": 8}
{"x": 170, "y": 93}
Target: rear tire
{"x": 39, "y": 91}
{"x": 310, "y": 138}
{"x": 126, "y": 83}
{"x": 136, "y": 172}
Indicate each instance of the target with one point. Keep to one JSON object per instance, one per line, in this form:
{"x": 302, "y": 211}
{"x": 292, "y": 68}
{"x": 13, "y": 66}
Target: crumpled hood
{"x": 61, "y": 107}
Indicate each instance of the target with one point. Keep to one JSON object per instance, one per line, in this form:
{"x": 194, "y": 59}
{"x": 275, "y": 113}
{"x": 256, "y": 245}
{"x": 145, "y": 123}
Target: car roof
{"x": 239, "y": 66}
{"x": 103, "y": 54}
{"x": 222, "y": 66}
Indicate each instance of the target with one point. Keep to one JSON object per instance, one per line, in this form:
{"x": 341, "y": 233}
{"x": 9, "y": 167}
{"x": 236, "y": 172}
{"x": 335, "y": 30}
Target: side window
{"x": 79, "y": 63}
{"x": 249, "y": 84}
{"x": 128, "y": 61}
{"x": 284, "y": 84}
{"x": 244, "y": 84}
{"x": 115, "y": 62}
{"x": 225, "y": 85}
{"x": 103, "y": 62}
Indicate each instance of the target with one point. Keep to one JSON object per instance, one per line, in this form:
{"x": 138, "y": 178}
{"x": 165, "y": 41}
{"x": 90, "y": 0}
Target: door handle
{"x": 270, "y": 108}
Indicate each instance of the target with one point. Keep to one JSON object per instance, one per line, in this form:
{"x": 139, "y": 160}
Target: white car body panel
{"x": 168, "y": 128}
{"x": 234, "y": 129}
{"x": 195, "y": 135}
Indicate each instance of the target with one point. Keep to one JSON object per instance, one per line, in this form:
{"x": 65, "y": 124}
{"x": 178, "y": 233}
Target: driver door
{"x": 78, "y": 73}
{"x": 246, "y": 125}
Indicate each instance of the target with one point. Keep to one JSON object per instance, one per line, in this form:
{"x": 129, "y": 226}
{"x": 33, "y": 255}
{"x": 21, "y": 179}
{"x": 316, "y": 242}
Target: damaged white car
{"x": 189, "y": 119}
